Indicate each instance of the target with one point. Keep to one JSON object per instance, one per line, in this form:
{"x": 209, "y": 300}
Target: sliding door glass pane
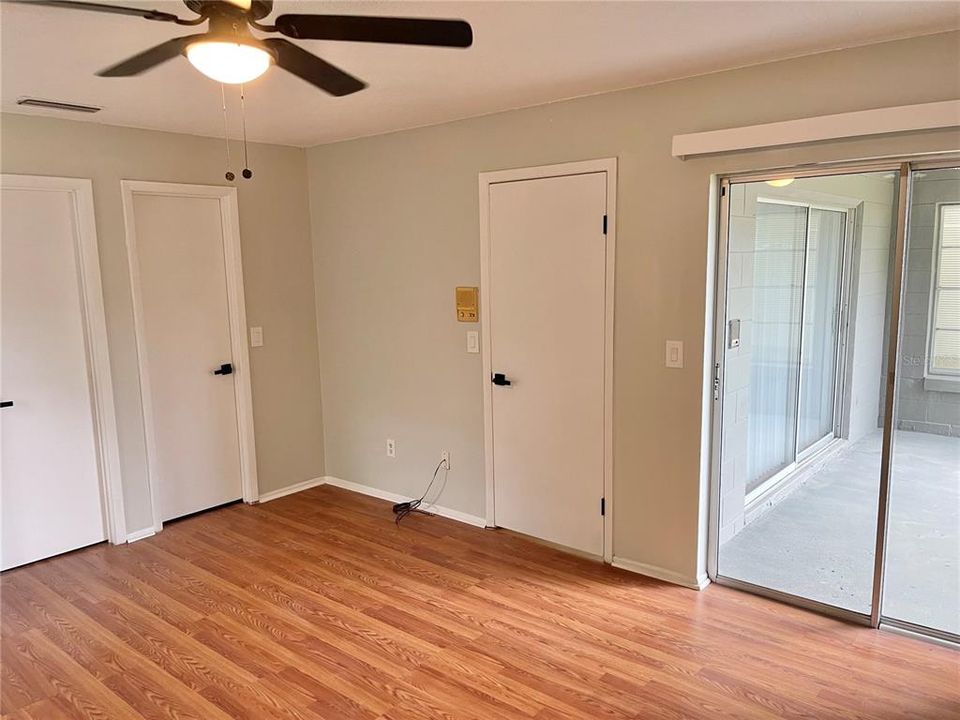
{"x": 922, "y": 582}
{"x": 804, "y": 524}
{"x": 821, "y": 315}
{"x": 777, "y": 288}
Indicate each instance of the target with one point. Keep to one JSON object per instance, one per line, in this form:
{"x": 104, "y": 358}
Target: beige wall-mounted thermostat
{"x": 467, "y": 304}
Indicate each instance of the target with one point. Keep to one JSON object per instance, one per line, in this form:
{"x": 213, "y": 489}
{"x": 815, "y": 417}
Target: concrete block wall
{"x": 869, "y": 304}
{"x": 736, "y": 388}
{"x": 920, "y": 408}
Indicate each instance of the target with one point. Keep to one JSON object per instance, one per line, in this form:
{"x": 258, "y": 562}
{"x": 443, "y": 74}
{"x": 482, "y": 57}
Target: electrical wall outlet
{"x": 391, "y": 447}
{"x": 445, "y": 458}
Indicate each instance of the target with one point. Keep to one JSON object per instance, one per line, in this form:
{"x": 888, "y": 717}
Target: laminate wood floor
{"x": 317, "y": 606}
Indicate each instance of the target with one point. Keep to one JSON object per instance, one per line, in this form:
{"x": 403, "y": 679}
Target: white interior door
{"x": 184, "y": 328}
{"x": 547, "y": 312}
{"x": 49, "y": 472}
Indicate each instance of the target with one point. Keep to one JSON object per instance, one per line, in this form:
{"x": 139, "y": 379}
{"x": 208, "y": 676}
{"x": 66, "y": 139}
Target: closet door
{"x": 194, "y": 368}
{"x": 50, "y": 474}
{"x": 547, "y": 305}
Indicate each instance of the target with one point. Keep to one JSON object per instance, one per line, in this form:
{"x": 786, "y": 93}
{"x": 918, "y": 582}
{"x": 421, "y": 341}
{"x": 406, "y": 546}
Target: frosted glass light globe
{"x": 228, "y": 62}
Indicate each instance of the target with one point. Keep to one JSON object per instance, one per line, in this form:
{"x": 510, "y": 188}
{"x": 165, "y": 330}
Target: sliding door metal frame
{"x": 905, "y": 165}
{"x": 889, "y": 163}
{"x": 890, "y": 393}
{"x": 818, "y": 446}
{"x": 921, "y": 632}
{"x": 835, "y": 611}
{"x": 851, "y": 267}
{"x": 719, "y": 381}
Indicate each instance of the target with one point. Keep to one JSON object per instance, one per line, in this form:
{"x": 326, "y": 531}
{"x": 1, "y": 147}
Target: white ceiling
{"x": 524, "y": 53}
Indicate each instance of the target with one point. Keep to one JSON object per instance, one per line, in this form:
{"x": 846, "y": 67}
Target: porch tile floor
{"x": 819, "y": 542}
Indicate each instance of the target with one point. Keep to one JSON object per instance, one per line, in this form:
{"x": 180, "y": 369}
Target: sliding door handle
{"x": 6, "y": 404}
{"x": 225, "y": 369}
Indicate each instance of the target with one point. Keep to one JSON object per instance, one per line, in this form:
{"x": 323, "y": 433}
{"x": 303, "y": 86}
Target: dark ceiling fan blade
{"x": 98, "y": 7}
{"x": 361, "y": 28}
{"x": 150, "y": 58}
{"x": 309, "y": 67}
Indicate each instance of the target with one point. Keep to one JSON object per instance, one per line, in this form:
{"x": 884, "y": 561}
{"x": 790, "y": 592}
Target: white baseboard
{"x": 141, "y": 534}
{"x": 291, "y": 489}
{"x": 694, "y": 583}
{"x": 395, "y": 498}
{"x": 365, "y": 489}
{"x": 457, "y": 515}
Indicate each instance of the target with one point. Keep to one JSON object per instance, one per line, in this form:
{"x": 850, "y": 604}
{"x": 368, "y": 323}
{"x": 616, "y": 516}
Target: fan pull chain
{"x": 226, "y": 133}
{"x": 247, "y": 172}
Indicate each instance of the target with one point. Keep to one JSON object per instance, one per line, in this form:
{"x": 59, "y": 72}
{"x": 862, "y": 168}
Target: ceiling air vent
{"x": 58, "y": 105}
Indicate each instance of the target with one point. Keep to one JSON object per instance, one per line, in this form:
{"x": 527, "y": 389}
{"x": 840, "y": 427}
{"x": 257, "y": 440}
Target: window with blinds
{"x": 945, "y": 309}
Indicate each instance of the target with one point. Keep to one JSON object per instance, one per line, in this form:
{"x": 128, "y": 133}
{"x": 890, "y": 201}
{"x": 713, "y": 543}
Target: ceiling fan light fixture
{"x": 228, "y": 61}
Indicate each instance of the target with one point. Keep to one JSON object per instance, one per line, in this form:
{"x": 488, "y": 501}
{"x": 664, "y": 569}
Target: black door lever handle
{"x": 500, "y": 379}
{"x": 6, "y": 404}
{"x": 225, "y": 369}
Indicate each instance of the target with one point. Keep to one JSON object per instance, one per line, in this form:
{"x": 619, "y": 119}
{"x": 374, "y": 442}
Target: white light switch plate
{"x": 256, "y": 336}
{"x": 674, "y": 354}
{"x": 473, "y": 341}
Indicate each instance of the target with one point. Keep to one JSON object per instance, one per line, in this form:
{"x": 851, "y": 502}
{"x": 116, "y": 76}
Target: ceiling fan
{"x": 229, "y": 53}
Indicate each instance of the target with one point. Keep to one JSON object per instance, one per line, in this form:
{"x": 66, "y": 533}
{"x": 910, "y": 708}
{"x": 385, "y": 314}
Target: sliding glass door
{"x": 922, "y": 579}
{"x": 837, "y": 393}
{"x": 790, "y": 262}
{"x": 805, "y": 308}
{"x": 775, "y": 267}
{"x": 821, "y": 334}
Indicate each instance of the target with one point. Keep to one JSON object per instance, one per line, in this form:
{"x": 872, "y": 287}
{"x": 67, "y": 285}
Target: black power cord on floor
{"x": 401, "y": 510}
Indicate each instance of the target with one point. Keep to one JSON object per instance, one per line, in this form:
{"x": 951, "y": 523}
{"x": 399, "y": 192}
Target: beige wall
{"x": 395, "y": 229}
{"x": 278, "y": 279}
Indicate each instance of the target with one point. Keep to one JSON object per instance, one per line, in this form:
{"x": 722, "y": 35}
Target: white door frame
{"x": 230, "y": 222}
{"x": 486, "y": 179}
{"x": 95, "y": 332}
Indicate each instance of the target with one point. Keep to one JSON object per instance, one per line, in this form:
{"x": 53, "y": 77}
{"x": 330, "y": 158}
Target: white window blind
{"x": 945, "y": 318}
